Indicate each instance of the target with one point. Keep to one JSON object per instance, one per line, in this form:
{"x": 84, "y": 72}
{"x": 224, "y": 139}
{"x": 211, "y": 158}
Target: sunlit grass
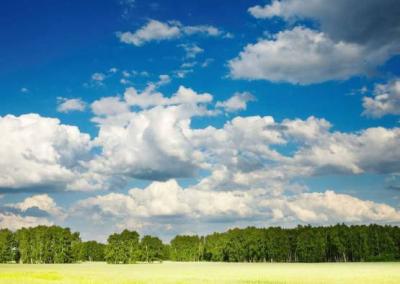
{"x": 172, "y": 272}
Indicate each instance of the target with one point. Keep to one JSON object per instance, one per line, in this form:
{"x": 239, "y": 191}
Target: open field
{"x": 173, "y": 272}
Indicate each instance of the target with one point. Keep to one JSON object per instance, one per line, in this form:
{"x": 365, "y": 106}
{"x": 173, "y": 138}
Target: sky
{"x": 189, "y": 117}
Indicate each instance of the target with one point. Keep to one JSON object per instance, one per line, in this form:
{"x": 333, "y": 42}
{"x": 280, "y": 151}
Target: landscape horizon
{"x": 252, "y": 141}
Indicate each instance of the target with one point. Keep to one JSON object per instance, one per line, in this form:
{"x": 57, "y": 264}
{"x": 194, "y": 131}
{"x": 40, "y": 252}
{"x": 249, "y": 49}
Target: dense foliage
{"x": 338, "y": 243}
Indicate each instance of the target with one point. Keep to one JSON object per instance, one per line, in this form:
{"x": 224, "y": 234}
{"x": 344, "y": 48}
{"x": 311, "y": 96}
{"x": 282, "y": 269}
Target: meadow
{"x": 201, "y": 272}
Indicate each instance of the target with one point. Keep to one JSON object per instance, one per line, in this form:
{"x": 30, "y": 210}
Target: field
{"x": 172, "y": 272}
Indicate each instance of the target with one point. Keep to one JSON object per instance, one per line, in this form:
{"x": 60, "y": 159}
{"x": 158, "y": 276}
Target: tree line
{"x": 339, "y": 243}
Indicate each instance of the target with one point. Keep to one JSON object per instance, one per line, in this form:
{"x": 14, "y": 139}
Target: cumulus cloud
{"x": 14, "y": 221}
{"x": 372, "y": 22}
{"x": 385, "y": 100}
{"x": 42, "y": 202}
{"x": 372, "y": 150}
{"x": 134, "y": 143}
{"x": 353, "y": 39}
{"x": 240, "y": 171}
{"x": 39, "y": 152}
{"x": 301, "y": 56}
{"x": 155, "y": 30}
{"x": 329, "y": 208}
{"x": 169, "y": 203}
{"x": 68, "y": 105}
{"x": 237, "y": 102}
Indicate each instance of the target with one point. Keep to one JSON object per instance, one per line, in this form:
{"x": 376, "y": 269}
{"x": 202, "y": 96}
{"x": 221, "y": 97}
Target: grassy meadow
{"x": 203, "y": 272}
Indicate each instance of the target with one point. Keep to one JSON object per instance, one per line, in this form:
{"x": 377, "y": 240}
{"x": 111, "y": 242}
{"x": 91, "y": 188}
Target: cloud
{"x": 24, "y": 90}
{"x": 373, "y": 150}
{"x": 342, "y": 20}
{"x": 150, "y": 97}
{"x": 109, "y": 106}
{"x": 168, "y": 203}
{"x": 39, "y": 152}
{"x": 14, "y": 221}
{"x": 67, "y": 105}
{"x": 353, "y": 39}
{"x": 385, "y": 100}
{"x": 237, "y": 102}
{"x": 155, "y": 30}
{"x": 133, "y": 143}
{"x": 300, "y": 56}
{"x": 323, "y": 208}
{"x": 98, "y": 77}
{"x": 42, "y": 202}
{"x": 191, "y": 50}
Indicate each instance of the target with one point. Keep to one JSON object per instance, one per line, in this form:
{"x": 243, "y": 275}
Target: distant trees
{"x": 123, "y": 247}
{"x": 90, "y": 251}
{"x": 152, "y": 249}
{"x": 186, "y": 248}
{"x": 8, "y": 246}
{"x": 339, "y": 243}
{"x": 43, "y": 244}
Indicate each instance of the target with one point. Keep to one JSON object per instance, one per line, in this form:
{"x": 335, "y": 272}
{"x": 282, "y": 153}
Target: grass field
{"x": 172, "y": 272}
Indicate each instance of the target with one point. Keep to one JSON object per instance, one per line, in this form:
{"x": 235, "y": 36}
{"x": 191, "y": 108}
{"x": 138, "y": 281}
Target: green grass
{"x": 173, "y": 272}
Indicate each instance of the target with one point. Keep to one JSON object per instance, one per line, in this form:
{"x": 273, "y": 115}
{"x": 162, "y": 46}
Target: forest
{"x": 339, "y": 243}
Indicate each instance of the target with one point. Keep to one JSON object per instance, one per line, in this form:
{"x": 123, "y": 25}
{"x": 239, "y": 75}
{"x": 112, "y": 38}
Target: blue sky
{"x": 222, "y": 114}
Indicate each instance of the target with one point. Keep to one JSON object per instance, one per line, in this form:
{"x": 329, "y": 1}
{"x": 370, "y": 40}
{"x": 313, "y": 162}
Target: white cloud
{"x": 133, "y": 143}
{"x": 109, "y": 106}
{"x": 168, "y": 199}
{"x": 42, "y": 202}
{"x": 385, "y": 100}
{"x": 167, "y": 202}
{"x": 342, "y": 20}
{"x": 155, "y": 30}
{"x": 354, "y": 39}
{"x": 330, "y": 208}
{"x": 301, "y": 56}
{"x": 98, "y": 77}
{"x": 191, "y": 50}
{"x": 237, "y": 102}
{"x": 202, "y": 29}
{"x": 39, "y": 152}
{"x": 373, "y": 150}
{"x": 67, "y": 105}
{"x": 113, "y": 70}
{"x": 14, "y": 222}
{"x": 150, "y": 97}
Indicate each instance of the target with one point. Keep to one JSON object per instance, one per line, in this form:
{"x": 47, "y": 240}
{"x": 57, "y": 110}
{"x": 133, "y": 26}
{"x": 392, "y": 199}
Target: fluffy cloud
{"x": 67, "y": 105}
{"x": 248, "y": 170}
{"x": 237, "y": 102}
{"x": 351, "y": 41}
{"x": 155, "y": 30}
{"x": 163, "y": 203}
{"x": 134, "y": 144}
{"x": 42, "y": 202}
{"x": 385, "y": 100}
{"x": 39, "y": 152}
{"x": 329, "y": 208}
{"x": 342, "y": 20}
{"x": 300, "y": 56}
{"x": 109, "y": 106}
{"x": 168, "y": 199}
{"x": 13, "y": 221}
{"x": 374, "y": 150}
